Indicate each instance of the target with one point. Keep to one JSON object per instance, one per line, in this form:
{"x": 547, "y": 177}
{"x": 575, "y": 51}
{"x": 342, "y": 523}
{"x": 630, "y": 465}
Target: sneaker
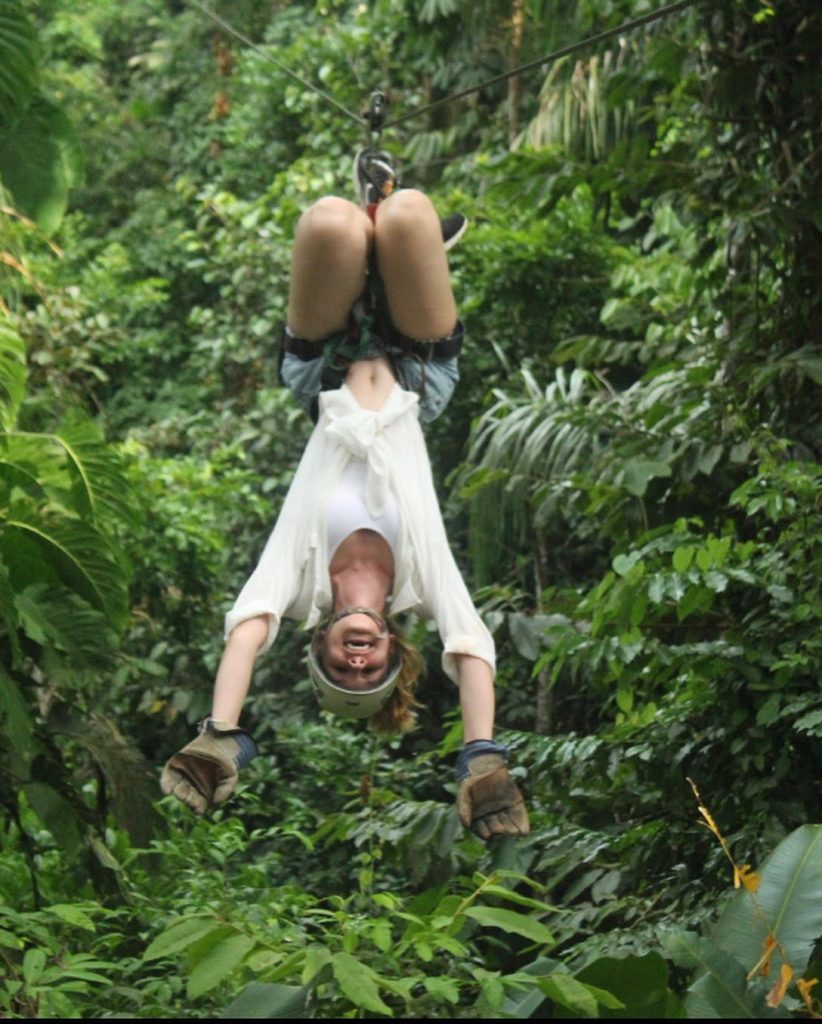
{"x": 375, "y": 176}
{"x": 453, "y": 228}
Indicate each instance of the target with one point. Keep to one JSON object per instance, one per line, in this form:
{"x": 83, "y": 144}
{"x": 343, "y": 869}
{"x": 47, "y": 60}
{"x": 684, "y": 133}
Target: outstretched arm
{"x": 488, "y": 800}
{"x": 206, "y": 771}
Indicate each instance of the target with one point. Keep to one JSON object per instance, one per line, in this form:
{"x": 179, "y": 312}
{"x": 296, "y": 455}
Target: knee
{"x": 334, "y": 221}
{"x": 406, "y": 212}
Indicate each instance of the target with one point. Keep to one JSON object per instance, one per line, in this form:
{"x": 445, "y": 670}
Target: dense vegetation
{"x": 630, "y": 474}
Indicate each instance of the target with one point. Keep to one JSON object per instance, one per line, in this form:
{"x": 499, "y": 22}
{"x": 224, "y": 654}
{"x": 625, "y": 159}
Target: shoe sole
{"x": 449, "y": 243}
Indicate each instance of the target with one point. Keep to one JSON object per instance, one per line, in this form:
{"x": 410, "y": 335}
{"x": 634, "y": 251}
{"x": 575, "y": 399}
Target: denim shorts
{"x": 434, "y": 380}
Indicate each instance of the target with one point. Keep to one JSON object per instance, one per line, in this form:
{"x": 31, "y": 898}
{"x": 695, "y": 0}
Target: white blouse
{"x": 292, "y": 580}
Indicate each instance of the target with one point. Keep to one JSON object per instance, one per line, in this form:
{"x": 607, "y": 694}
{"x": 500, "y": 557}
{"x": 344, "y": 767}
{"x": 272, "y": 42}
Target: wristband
{"x": 471, "y": 750}
{"x": 247, "y": 748}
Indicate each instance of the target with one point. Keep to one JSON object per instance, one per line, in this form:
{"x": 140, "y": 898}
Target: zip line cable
{"x": 565, "y": 51}
{"x": 259, "y": 49}
{"x": 600, "y": 37}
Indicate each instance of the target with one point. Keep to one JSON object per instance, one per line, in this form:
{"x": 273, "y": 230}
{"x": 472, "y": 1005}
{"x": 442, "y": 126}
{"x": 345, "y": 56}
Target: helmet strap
{"x": 356, "y": 610}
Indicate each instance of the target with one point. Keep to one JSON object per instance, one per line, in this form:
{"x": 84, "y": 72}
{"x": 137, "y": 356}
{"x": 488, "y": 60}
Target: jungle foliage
{"x": 631, "y": 473}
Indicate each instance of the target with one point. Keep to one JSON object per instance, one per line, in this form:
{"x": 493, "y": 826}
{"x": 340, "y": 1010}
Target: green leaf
{"x": 34, "y": 960}
{"x": 76, "y": 552}
{"x": 269, "y": 1002}
{"x": 720, "y": 986}
{"x": 564, "y": 989}
{"x": 444, "y": 989}
{"x": 12, "y": 370}
{"x": 53, "y": 616}
{"x": 180, "y": 935}
{"x": 527, "y": 632}
{"x": 623, "y": 564}
{"x": 639, "y": 983}
{"x": 316, "y": 957}
{"x": 40, "y": 161}
{"x": 512, "y": 922}
{"x": 525, "y": 1004}
{"x": 788, "y": 905}
{"x": 72, "y": 914}
{"x": 15, "y": 719}
{"x": 381, "y": 934}
{"x": 638, "y": 473}
{"x": 56, "y": 813}
{"x": 220, "y": 959}
{"x": 357, "y": 983}
{"x": 18, "y": 61}
{"x": 517, "y": 897}
{"x": 97, "y": 469}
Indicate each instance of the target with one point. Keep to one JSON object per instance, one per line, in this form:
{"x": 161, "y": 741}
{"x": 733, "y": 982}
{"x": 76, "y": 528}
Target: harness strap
{"x": 443, "y": 348}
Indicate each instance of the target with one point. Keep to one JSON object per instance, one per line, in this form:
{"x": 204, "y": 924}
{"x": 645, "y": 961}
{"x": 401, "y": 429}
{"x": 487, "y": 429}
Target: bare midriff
{"x": 371, "y": 382}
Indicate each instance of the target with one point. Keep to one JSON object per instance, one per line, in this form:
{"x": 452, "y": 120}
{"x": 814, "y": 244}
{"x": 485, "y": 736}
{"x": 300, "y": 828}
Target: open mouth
{"x": 358, "y": 644}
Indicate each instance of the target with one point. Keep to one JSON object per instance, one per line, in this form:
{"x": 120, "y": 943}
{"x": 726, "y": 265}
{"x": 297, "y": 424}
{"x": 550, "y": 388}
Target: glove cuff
{"x": 471, "y": 750}
{"x": 246, "y": 747}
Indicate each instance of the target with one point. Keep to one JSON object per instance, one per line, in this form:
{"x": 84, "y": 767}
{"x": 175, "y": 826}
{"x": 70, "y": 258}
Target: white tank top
{"x": 347, "y": 511}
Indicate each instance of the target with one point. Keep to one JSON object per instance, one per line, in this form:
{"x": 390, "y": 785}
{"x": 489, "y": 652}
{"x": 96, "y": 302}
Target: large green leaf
{"x": 522, "y": 1003}
{"x": 357, "y": 983}
{"x": 35, "y": 464}
{"x": 73, "y": 467}
{"x": 18, "y": 61}
{"x": 39, "y": 162}
{"x": 12, "y": 372}
{"x": 77, "y": 554}
{"x": 100, "y": 483}
{"x": 720, "y": 987}
{"x": 54, "y": 617}
{"x": 8, "y": 612}
{"x": 269, "y": 1002}
{"x": 56, "y": 813}
{"x": 15, "y": 720}
{"x": 180, "y": 935}
{"x": 787, "y": 905}
{"x": 512, "y": 922}
{"x": 640, "y": 982}
{"x": 216, "y": 960}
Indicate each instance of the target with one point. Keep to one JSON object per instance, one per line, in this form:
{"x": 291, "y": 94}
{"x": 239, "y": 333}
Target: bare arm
{"x": 236, "y": 667}
{"x": 476, "y": 698}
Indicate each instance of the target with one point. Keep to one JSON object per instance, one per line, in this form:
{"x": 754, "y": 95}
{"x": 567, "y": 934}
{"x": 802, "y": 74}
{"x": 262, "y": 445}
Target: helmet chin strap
{"x": 355, "y": 610}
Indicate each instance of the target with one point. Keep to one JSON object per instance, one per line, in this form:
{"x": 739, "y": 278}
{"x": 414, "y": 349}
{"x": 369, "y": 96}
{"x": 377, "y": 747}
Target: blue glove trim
{"x": 248, "y": 749}
{"x": 471, "y": 750}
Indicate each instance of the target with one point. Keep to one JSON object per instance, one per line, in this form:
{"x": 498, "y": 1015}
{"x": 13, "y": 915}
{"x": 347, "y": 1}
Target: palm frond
{"x": 12, "y": 374}
{"x": 42, "y": 545}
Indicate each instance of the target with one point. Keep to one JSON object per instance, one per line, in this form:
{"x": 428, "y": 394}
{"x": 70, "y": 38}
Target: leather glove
{"x": 488, "y": 800}
{"x": 205, "y": 772}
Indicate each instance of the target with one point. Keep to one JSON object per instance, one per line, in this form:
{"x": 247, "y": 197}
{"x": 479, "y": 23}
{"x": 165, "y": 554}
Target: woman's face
{"x": 356, "y": 652}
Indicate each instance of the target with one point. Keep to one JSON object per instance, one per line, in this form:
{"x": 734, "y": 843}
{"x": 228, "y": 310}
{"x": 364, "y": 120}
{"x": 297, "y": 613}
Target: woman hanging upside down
{"x": 370, "y": 349}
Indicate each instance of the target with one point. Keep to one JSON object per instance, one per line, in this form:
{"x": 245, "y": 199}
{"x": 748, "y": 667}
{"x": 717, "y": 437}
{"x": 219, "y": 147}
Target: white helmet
{"x": 337, "y": 699}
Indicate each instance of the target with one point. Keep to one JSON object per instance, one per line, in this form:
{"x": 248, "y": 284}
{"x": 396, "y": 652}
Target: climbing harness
{"x": 369, "y": 327}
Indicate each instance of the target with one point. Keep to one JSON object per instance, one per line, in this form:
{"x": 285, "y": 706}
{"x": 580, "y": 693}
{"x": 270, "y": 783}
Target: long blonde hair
{"x": 397, "y": 714}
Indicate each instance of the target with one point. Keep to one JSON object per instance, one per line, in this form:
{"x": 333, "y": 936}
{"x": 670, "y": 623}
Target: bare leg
{"x": 236, "y": 666}
{"x": 413, "y": 266}
{"x": 328, "y": 267}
